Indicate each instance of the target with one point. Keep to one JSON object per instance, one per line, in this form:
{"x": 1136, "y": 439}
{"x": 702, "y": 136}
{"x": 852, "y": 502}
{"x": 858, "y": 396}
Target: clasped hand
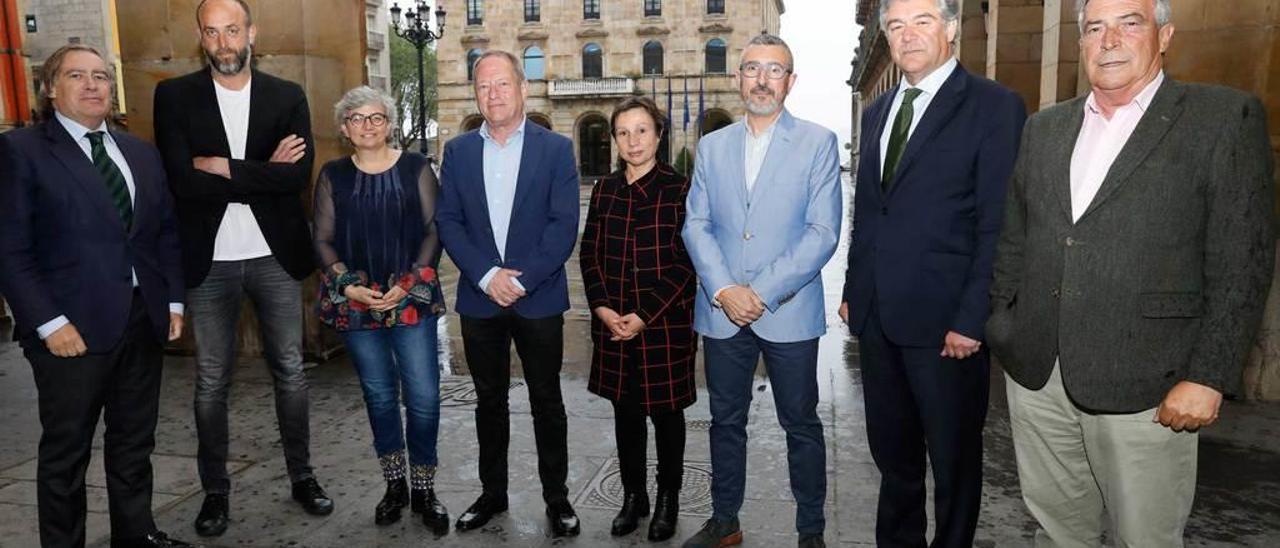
{"x": 376, "y": 300}
{"x": 741, "y": 304}
{"x": 623, "y": 328}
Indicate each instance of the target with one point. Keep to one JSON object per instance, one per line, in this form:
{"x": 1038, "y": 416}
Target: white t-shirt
{"x": 239, "y": 236}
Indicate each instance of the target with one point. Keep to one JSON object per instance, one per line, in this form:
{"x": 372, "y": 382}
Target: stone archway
{"x": 714, "y": 119}
{"x": 472, "y": 122}
{"x": 540, "y": 119}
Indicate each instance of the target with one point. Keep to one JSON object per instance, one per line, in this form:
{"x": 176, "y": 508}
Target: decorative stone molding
{"x": 594, "y": 32}
{"x": 715, "y": 28}
{"x": 473, "y": 40}
{"x": 650, "y": 30}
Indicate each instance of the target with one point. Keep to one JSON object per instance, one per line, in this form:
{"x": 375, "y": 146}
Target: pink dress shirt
{"x": 1100, "y": 141}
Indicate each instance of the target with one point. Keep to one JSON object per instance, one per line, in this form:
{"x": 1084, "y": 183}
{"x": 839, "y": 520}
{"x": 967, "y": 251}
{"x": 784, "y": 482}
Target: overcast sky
{"x": 822, "y": 35}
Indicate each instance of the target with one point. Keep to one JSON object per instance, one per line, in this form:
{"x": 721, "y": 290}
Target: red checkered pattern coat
{"x": 633, "y": 260}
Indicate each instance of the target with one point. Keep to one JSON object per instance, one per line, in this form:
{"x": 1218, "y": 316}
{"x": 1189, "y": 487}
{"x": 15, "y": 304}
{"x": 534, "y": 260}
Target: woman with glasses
{"x": 376, "y": 241}
{"x": 640, "y": 285}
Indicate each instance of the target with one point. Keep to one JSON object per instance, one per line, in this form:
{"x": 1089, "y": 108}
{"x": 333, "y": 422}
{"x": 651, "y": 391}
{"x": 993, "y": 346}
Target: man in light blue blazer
{"x": 764, "y": 217}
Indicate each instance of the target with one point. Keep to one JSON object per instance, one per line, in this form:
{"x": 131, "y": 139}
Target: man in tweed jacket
{"x": 1130, "y": 278}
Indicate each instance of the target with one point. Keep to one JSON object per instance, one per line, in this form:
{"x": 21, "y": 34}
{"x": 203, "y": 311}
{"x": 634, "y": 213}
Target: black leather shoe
{"x": 634, "y": 507}
{"x": 156, "y": 539}
{"x": 312, "y": 498}
{"x": 481, "y": 511}
{"x": 666, "y": 511}
{"x": 434, "y": 515}
{"x": 396, "y": 497}
{"x": 212, "y": 519}
{"x": 564, "y": 522}
{"x": 716, "y": 534}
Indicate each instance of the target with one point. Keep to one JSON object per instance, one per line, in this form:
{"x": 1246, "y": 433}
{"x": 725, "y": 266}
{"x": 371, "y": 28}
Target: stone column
{"x": 320, "y": 44}
{"x": 1060, "y": 56}
{"x": 1014, "y": 40}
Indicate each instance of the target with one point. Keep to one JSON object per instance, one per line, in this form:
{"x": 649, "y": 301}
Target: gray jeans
{"x": 214, "y": 308}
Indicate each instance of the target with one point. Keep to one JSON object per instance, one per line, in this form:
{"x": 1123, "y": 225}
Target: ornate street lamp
{"x": 417, "y": 30}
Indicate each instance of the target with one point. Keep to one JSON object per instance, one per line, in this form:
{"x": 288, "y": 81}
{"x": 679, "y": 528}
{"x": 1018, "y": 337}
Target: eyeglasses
{"x": 376, "y": 120}
{"x": 753, "y": 69}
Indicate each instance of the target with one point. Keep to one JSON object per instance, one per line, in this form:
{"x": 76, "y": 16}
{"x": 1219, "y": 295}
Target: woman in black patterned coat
{"x": 640, "y": 284}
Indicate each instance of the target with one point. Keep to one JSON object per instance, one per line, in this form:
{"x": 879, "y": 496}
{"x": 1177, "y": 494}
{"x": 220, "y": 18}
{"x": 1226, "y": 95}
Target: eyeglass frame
{"x": 767, "y": 69}
{"x": 358, "y": 119}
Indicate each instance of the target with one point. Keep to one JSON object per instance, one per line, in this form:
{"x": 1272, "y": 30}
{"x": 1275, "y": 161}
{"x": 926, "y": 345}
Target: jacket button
{"x": 746, "y": 235}
{"x": 635, "y": 270}
{"x": 1054, "y": 293}
{"x": 1070, "y": 241}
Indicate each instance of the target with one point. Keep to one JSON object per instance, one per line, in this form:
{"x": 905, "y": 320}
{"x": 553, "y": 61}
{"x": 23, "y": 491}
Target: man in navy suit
{"x": 508, "y": 216}
{"x": 89, "y": 260}
{"x": 936, "y": 157}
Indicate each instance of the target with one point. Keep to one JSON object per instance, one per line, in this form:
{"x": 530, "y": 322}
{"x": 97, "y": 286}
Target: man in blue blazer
{"x": 936, "y": 154}
{"x": 508, "y": 217}
{"x": 763, "y": 219}
{"x": 90, "y": 263}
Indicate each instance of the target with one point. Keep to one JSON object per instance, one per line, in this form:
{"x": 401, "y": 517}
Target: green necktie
{"x": 898, "y": 138}
{"x": 111, "y": 175}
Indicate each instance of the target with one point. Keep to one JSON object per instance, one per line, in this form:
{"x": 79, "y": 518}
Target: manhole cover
{"x": 460, "y": 391}
{"x": 605, "y": 490}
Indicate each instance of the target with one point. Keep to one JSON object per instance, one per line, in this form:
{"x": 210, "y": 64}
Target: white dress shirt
{"x": 79, "y": 134}
{"x": 929, "y": 87}
{"x": 239, "y": 236}
{"x": 501, "y": 173}
{"x": 757, "y": 146}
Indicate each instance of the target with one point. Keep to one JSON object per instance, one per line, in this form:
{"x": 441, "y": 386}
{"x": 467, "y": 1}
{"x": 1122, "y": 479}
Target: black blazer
{"x": 188, "y": 124}
{"x": 64, "y": 250}
{"x": 1164, "y": 276}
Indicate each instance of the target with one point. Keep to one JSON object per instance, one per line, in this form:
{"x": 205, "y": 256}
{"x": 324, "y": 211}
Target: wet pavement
{"x": 1237, "y": 504}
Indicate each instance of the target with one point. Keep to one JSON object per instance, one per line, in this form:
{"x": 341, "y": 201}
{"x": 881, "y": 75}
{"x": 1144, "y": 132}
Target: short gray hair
{"x": 510, "y": 57}
{"x": 363, "y": 96}
{"x": 1164, "y": 12}
{"x": 766, "y": 39}
{"x": 52, "y": 68}
{"x": 950, "y": 10}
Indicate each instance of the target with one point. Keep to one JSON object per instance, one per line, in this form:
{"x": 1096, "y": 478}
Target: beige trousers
{"x": 1076, "y": 467}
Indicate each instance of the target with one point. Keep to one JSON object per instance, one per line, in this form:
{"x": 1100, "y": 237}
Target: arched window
{"x": 472, "y": 57}
{"x": 716, "y": 53}
{"x": 652, "y": 57}
{"x": 592, "y": 61}
{"x": 535, "y": 63}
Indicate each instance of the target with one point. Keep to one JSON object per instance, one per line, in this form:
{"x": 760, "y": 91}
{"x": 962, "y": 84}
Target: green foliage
{"x": 404, "y": 83}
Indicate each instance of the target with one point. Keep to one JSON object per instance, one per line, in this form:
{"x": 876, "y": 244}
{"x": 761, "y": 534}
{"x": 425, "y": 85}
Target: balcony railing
{"x": 377, "y": 40}
{"x": 601, "y": 87}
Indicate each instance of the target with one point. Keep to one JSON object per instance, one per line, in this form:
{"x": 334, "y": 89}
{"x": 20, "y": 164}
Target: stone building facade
{"x": 377, "y": 62}
{"x": 583, "y": 56}
{"x": 1032, "y": 46}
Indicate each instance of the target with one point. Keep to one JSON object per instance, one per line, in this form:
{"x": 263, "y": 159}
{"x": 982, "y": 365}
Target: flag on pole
{"x": 686, "y": 104}
{"x": 702, "y": 106}
{"x": 669, "y": 107}
{"x": 654, "y": 81}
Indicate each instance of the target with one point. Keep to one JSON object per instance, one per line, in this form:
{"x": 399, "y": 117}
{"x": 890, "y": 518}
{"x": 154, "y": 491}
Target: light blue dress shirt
{"x": 79, "y": 134}
{"x": 501, "y": 173}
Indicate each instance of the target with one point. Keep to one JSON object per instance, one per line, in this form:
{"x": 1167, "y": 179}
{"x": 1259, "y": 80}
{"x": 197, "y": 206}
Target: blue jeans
{"x": 394, "y": 362}
{"x": 793, "y": 378}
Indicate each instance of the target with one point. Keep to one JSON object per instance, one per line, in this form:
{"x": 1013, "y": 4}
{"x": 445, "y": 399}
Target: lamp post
{"x": 417, "y": 30}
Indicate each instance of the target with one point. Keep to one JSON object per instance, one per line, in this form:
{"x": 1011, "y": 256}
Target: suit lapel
{"x": 871, "y": 150}
{"x": 940, "y": 111}
{"x": 1059, "y": 155}
{"x": 530, "y": 164}
{"x": 141, "y": 181}
{"x": 71, "y": 156}
{"x": 772, "y": 157}
{"x": 259, "y": 117}
{"x": 738, "y": 162}
{"x": 208, "y": 111}
{"x": 1165, "y": 108}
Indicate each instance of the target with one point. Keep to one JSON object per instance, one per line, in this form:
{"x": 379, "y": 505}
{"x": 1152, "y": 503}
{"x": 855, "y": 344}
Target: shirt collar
{"x": 767, "y": 133}
{"x": 1142, "y": 100}
{"x": 933, "y": 82}
{"x": 78, "y": 131}
{"x": 519, "y": 133}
